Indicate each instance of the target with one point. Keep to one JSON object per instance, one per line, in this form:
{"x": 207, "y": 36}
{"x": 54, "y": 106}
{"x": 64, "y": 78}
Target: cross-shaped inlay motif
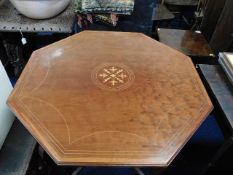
{"x": 113, "y": 76}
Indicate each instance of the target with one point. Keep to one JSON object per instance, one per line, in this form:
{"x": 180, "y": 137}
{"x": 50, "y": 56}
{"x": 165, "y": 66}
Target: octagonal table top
{"x": 110, "y": 98}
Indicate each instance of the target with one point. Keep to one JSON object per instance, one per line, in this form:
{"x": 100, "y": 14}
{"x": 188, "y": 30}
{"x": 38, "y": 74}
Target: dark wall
{"x": 212, "y": 13}
{"x": 217, "y": 25}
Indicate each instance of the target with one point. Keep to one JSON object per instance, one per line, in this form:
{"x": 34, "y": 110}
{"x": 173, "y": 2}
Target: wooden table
{"x": 221, "y": 91}
{"x": 188, "y": 42}
{"x": 110, "y": 99}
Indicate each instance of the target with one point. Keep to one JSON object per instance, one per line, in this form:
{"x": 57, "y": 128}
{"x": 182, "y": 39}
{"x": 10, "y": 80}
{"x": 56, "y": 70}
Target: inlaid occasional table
{"x": 110, "y": 99}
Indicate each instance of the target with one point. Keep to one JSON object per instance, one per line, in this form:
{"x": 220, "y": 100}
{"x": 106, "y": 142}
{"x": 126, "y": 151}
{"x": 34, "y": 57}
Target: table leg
{"x": 153, "y": 171}
{"x": 226, "y": 145}
{"x": 139, "y": 171}
{"x": 77, "y": 171}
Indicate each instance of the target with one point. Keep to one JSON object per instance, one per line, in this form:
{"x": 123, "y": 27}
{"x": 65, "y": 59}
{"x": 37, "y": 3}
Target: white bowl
{"x": 40, "y": 9}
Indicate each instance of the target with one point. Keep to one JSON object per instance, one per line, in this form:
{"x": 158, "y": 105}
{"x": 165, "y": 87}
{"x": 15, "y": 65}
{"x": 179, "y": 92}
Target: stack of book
{"x": 226, "y": 61}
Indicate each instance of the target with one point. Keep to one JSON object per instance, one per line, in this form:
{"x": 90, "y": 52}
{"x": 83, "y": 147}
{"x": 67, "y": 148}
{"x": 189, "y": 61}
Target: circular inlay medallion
{"x": 113, "y": 76}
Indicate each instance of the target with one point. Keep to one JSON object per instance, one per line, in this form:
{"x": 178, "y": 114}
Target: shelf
{"x": 12, "y": 21}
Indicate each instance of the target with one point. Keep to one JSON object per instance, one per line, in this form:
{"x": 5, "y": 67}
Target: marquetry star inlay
{"x": 113, "y": 76}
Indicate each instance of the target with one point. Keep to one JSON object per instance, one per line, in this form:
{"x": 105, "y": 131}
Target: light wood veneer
{"x": 110, "y": 98}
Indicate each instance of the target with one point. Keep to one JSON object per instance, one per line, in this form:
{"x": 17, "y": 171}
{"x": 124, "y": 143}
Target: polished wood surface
{"x": 185, "y": 41}
{"x": 110, "y": 98}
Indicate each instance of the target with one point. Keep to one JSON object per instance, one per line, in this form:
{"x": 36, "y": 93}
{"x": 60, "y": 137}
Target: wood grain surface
{"x": 185, "y": 41}
{"x": 110, "y": 99}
